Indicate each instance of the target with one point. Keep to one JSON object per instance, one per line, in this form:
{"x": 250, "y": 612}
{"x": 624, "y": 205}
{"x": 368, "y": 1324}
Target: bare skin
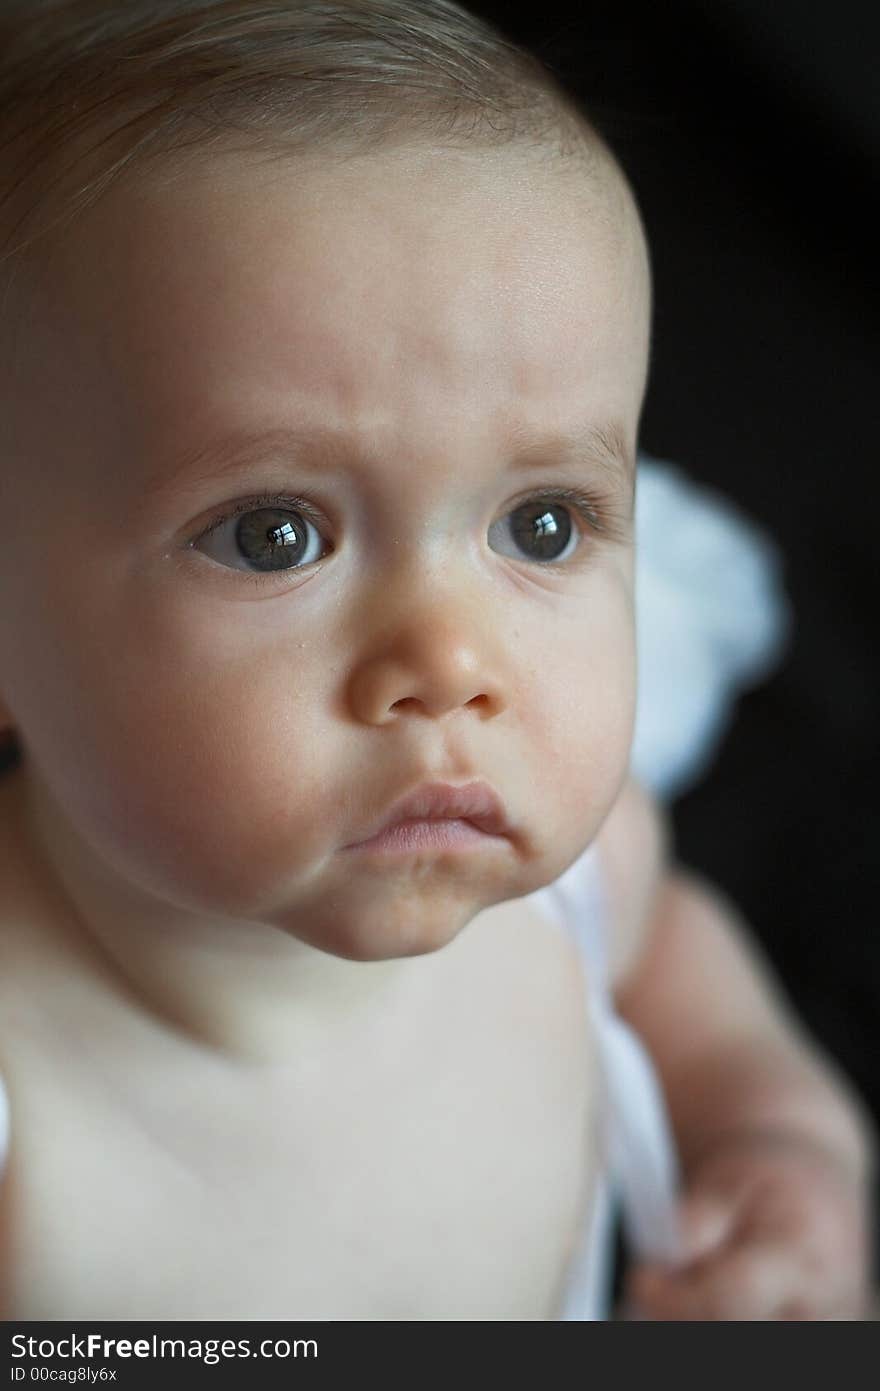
{"x": 283, "y": 1081}
{"x": 434, "y": 1163}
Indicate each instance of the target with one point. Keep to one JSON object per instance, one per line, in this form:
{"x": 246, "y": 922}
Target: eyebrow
{"x": 604, "y": 447}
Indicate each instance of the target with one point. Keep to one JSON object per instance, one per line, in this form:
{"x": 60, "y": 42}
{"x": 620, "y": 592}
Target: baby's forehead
{"x": 241, "y": 220}
{"x": 400, "y": 176}
{"x": 410, "y": 284}
{"x": 509, "y": 191}
{"x": 442, "y": 207}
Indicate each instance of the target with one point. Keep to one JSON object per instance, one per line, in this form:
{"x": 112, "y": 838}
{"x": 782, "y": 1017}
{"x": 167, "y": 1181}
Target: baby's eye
{"x": 266, "y": 535}
{"x": 263, "y": 538}
{"x": 540, "y": 529}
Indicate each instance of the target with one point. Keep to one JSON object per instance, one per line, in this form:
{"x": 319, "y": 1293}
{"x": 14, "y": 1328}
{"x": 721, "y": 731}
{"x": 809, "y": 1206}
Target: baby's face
{"x": 375, "y": 365}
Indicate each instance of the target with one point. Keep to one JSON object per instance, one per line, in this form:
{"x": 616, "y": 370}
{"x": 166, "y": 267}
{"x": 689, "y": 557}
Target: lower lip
{"x": 409, "y": 836}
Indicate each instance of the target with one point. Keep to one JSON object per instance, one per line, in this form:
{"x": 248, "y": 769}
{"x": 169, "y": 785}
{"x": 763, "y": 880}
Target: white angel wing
{"x": 712, "y": 619}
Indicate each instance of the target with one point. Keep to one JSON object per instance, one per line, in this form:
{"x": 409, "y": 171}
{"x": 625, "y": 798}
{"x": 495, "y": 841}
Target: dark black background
{"x": 751, "y": 133}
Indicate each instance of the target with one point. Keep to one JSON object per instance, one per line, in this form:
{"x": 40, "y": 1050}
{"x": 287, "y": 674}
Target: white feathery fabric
{"x": 711, "y": 620}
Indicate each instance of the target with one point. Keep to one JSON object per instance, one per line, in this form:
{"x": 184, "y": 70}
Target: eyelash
{"x": 593, "y": 510}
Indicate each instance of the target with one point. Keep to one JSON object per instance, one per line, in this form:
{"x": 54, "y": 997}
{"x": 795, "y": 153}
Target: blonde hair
{"x": 92, "y": 91}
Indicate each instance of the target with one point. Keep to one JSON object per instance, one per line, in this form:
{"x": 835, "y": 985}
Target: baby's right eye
{"x": 266, "y": 534}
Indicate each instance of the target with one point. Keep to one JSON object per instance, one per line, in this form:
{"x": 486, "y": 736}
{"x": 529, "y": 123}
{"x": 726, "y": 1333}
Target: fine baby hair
{"x": 92, "y": 92}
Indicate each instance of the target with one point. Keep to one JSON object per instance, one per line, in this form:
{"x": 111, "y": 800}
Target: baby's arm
{"x": 775, "y": 1150}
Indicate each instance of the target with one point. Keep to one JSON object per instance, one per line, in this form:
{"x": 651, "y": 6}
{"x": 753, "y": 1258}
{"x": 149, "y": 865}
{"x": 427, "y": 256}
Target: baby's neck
{"x": 242, "y": 988}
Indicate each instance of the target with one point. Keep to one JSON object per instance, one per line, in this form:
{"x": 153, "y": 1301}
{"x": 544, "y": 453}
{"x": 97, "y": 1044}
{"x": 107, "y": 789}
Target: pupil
{"x": 270, "y": 540}
{"x": 543, "y": 532}
{"x": 282, "y": 535}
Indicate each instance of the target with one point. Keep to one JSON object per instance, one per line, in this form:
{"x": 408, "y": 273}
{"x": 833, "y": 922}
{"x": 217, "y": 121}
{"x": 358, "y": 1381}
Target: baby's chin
{"x": 397, "y": 918}
{"x": 393, "y": 938}
{"x": 401, "y": 925}
{"x": 384, "y": 910}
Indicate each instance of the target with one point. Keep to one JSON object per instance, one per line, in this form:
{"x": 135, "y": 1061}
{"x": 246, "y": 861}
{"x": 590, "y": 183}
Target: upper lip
{"x": 475, "y": 802}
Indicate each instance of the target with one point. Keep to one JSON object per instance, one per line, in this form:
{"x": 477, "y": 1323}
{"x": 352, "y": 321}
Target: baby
{"x": 324, "y": 343}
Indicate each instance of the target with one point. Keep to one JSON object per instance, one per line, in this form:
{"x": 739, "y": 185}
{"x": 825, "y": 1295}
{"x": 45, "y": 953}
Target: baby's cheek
{"x": 207, "y": 795}
{"x": 215, "y": 773}
{"x": 585, "y": 718}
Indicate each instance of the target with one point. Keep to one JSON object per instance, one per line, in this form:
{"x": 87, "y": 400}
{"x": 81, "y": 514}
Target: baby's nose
{"x": 430, "y": 668}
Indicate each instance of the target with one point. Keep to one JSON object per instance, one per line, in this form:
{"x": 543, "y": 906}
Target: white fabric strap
{"x": 641, "y": 1152}
{"x": 639, "y": 1149}
{"x": 588, "y": 1293}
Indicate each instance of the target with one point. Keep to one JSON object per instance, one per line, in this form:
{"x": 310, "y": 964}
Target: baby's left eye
{"x": 541, "y": 529}
{"x": 269, "y": 536}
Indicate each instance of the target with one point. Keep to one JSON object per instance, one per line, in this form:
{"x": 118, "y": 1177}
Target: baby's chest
{"x": 452, "y": 1184}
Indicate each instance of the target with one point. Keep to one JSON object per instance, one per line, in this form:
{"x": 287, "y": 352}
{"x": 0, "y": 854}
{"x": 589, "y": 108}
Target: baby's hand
{"x": 774, "y": 1227}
